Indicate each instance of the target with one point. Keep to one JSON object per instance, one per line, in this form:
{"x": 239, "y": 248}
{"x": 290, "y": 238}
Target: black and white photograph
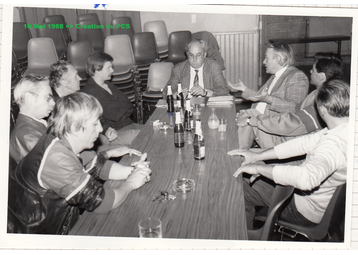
{"x": 202, "y": 126}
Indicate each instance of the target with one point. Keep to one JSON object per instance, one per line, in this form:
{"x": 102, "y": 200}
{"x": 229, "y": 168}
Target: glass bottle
{"x": 188, "y": 117}
{"x": 213, "y": 121}
{"x": 181, "y": 96}
{"x": 178, "y": 131}
{"x": 199, "y": 142}
{"x": 170, "y": 99}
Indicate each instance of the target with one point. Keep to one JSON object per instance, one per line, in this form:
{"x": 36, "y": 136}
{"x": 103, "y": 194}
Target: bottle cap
{"x": 179, "y": 88}
{"x": 169, "y": 90}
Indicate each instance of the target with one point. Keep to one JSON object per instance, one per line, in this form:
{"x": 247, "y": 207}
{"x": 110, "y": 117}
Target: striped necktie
{"x": 196, "y": 78}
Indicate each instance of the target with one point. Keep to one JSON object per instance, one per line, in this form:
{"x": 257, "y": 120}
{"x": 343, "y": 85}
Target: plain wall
{"x": 214, "y": 23}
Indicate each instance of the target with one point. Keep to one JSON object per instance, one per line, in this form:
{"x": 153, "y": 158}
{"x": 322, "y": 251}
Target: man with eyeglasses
{"x": 34, "y": 97}
{"x": 198, "y": 75}
{"x": 64, "y": 79}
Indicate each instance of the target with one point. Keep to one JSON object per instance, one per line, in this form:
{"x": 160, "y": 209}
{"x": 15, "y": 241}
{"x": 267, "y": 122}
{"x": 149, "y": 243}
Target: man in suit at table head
{"x": 198, "y": 75}
{"x": 283, "y": 92}
{"x": 316, "y": 179}
{"x": 64, "y": 79}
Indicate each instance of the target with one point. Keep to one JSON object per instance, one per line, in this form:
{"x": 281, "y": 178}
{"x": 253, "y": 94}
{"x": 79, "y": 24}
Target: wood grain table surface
{"x": 214, "y": 210}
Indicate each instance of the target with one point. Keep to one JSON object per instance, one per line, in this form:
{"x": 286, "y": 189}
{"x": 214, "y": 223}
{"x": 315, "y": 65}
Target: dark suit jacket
{"x": 117, "y": 108}
{"x": 212, "y": 75}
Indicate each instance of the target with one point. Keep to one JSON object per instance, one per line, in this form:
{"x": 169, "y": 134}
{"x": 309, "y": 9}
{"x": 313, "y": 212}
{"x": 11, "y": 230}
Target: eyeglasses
{"x": 48, "y": 97}
{"x": 199, "y": 55}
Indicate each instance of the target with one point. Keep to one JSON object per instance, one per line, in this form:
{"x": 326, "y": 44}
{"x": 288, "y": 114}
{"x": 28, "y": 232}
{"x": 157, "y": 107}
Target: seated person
{"x": 317, "y": 177}
{"x": 119, "y": 128}
{"x": 64, "y": 79}
{"x": 286, "y": 88}
{"x": 33, "y": 95}
{"x": 198, "y": 75}
{"x": 270, "y": 130}
{"x": 52, "y": 182}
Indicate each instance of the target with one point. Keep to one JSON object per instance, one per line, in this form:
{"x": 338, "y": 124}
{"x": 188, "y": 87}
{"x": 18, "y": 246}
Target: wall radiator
{"x": 240, "y": 51}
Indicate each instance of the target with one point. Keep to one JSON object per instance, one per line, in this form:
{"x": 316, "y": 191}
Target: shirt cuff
{"x": 107, "y": 202}
{"x": 104, "y": 175}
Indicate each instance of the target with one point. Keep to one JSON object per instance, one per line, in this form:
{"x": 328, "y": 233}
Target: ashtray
{"x": 184, "y": 185}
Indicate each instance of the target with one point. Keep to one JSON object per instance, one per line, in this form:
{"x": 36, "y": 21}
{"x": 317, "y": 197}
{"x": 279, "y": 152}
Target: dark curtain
{"x": 36, "y": 15}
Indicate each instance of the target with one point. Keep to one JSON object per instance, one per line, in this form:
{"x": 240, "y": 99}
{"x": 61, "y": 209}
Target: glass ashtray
{"x": 184, "y": 185}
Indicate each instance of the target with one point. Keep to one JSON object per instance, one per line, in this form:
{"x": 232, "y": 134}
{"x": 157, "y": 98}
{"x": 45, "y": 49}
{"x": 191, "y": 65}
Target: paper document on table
{"x": 220, "y": 101}
{"x": 197, "y": 100}
{"x": 220, "y": 98}
{"x": 162, "y": 103}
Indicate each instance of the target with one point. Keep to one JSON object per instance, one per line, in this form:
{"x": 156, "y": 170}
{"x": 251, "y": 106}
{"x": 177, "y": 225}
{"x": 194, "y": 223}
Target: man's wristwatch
{"x": 248, "y": 120}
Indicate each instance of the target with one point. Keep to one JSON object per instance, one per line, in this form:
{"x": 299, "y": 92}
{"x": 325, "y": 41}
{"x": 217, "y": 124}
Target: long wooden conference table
{"x": 214, "y": 210}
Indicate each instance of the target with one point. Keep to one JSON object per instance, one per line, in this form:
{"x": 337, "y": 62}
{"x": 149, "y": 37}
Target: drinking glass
{"x": 150, "y": 228}
{"x": 222, "y": 125}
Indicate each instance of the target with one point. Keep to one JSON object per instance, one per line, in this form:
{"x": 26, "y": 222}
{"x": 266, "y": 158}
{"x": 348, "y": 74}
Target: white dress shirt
{"x": 261, "y": 107}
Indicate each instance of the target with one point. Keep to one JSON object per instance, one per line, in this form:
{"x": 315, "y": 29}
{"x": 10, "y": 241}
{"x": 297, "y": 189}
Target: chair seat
{"x": 123, "y": 77}
{"x": 163, "y": 54}
{"x": 152, "y": 94}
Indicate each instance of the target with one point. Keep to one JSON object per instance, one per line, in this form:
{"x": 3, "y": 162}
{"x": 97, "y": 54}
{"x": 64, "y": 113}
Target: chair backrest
{"x": 144, "y": 48}
{"x": 95, "y": 36}
{"x": 159, "y": 75}
{"x": 176, "y": 46}
{"x": 159, "y": 29}
{"x": 91, "y": 16}
{"x": 120, "y": 48}
{"x": 334, "y": 214}
{"x": 20, "y": 38}
{"x": 57, "y": 37}
{"x": 60, "y": 20}
{"x": 77, "y": 54}
{"x": 122, "y": 25}
{"x": 280, "y": 195}
{"x": 42, "y": 54}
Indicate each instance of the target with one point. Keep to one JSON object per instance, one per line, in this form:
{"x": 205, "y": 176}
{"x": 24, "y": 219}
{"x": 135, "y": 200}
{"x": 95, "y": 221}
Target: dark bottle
{"x": 181, "y": 96}
{"x": 170, "y": 100}
{"x": 178, "y": 131}
{"x": 188, "y": 117}
{"x": 199, "y": 142}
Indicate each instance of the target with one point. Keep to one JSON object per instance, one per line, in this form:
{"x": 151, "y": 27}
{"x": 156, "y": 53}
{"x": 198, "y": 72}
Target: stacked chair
{"x": 159, "y": 29}
{"x": 15, "y": 70}
{"x": 95, "y": 36}
{"x": 145, "y": 53}
{"x": 57, "y": 37}
{"x": 91, "y": 16}
{"x": 122, "y": 31}
{"x": 20, "y": 38}
{"x": 77, "y": 54}
{"x": 60, "y": 20}
{"x": 41, "y": 55}
{"x": 176, "y": 46}
{"x": 125, "y": 76}
{"x": 158, "y": 77}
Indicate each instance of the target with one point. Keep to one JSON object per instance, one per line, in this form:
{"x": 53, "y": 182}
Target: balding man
{"x": 34, "y": 98}
{"x": 198, "y": 75}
